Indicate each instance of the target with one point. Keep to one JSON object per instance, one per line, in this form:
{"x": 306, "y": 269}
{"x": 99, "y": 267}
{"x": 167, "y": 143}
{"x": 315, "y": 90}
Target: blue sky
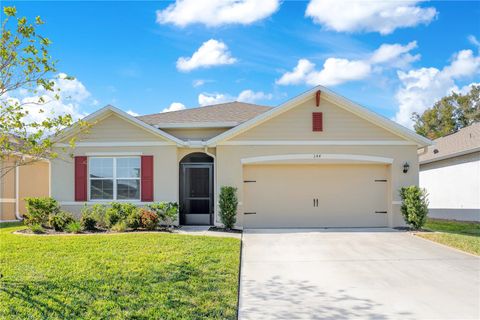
{"x": 127, "y": 53}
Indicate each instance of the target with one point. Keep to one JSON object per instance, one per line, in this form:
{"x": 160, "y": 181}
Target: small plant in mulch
{"x": 220, "y": 229}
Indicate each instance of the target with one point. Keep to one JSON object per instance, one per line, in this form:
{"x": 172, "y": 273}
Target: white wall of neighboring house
{"x": 454, "y": 187}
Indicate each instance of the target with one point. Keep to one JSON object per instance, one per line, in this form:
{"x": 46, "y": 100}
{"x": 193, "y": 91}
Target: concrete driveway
{"x": 352, "y": 274}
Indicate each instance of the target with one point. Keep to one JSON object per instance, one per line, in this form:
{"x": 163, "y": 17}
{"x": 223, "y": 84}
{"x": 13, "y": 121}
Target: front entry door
{"x": 196, "y": 194}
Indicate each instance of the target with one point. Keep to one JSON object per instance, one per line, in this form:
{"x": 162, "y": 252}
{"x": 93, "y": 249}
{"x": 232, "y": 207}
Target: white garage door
{"x": 281, "y": 196}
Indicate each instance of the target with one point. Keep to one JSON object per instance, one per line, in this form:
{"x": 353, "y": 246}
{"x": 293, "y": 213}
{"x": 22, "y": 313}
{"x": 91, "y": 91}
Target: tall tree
{"x": 449, "y": 114}
{"x": 27, "y": 67}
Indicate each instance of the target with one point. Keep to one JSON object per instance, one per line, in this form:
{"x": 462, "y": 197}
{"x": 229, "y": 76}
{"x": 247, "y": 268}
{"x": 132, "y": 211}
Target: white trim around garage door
{"x": 317, "y": 143}
{"x": 314, "y": 157}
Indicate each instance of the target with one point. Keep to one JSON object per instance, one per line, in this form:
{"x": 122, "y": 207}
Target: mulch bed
{"x": 218, "y": 229}
{"x": 411, "y": 229}
{"x": 97, "y": 231}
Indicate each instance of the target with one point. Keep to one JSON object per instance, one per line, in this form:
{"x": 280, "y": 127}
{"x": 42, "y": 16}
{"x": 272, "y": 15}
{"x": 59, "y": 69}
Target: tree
{"x": 26, "y": 66}
{"x": 449, "y": 114}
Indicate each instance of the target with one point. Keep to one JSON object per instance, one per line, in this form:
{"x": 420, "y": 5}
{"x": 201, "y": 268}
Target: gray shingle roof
{"x": 464, "y": 141}
{"x": 231, "y": 112}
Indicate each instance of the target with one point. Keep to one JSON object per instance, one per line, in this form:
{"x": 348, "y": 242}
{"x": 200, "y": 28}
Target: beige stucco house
{"x": 19, "y": 182}
{"x": 318, "y": 160}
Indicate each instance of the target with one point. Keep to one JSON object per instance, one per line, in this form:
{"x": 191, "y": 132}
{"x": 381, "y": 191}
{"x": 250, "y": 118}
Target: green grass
{"x": 117, "y": 276}
{"x": 461, "y": 235}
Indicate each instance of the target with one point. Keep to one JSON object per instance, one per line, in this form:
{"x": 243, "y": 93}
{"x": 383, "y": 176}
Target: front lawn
{"x": 117, "y": 276}
{"x": 461, "y": 235}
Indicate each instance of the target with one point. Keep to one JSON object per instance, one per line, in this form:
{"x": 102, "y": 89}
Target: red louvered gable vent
{"x": 81, "y": 178}
{"x": 147, "y": 178}
{"x": 317, "y": 121}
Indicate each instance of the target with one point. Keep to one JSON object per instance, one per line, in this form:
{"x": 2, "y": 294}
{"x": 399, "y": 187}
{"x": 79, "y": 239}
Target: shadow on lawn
{"x": 44, "y": 297}
{"x": 176, "y": 288}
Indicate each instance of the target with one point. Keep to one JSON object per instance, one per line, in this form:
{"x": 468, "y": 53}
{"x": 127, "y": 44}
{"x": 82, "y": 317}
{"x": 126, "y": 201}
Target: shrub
{"x": 148, "y": 218}
{"x": 167, "y": 212}
{"x": 88, "y": 222}
{"x": 111, "y": 217}
{"x": 37, "y": 228}
{"x": 60, "y": 220}
{"x": 120, "y": 226}
{"x": 134, "y": 219}
{"x": 73, "y": 227}
{"x": 39, "y": 209}
{"x": 414, "y": 206}
{"x": 97, "y": 212}
{"x": 228, "y": 203}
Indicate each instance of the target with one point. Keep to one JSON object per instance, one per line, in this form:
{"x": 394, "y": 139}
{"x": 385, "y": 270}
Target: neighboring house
{"x": 317, "y": 160}
{"x": 19, "y": 182}
{"x": 450, "y": 171}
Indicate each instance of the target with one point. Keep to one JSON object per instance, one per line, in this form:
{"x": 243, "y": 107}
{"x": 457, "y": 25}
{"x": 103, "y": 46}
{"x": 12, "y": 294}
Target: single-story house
{"x": 19, "y": 182}
{"x": 317, "y": 160}
{"x": 450, "y": 172}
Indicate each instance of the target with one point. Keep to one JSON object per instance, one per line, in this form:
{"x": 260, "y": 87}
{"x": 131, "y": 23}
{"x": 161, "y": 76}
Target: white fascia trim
{"x": 375, "y": 118}
{"x": 329, "y": 95}
{"x": 81, "y": 203}
{"x": 105, "y": 110}
{"x": 317, "y": 143}
{"x": 259, "y": 119}
{"x": 452, "y": 155}
{"x": 195, "y": 125}
{"x": 319, "y": 157}
{"x": 119, "y": 144}
{"x": 100, "y": 154}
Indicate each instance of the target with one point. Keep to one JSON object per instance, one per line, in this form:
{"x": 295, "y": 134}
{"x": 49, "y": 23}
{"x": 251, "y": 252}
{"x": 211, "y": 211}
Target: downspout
{"x": 17, "y": 192}
{"x": 205, "y": 149}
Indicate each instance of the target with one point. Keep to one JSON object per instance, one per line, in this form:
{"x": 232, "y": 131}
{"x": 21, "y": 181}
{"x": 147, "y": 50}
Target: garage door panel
{"x": 315, "y": 196}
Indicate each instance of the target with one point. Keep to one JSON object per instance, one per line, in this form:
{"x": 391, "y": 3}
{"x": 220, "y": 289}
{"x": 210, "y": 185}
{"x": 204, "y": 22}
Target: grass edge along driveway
{"x": 464, "y": 236}
{"x": 117, "y": 276}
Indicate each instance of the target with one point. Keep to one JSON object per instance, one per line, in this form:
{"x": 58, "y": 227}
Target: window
{"x": 114, "y": 178}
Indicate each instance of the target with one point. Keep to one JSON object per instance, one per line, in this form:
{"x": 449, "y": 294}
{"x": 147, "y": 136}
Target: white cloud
{"x": 211, "y": 53}
{"x": 214, "y": 13}
{"x": 421, "y": 88}
{"x": 250, "y": 96}
{"x": 198, "y": 83}
{"x": 72, "y": 96}
{"x": 369, "y": 16}
{"x": 395, "y": 53}
{"x": 175, "y": 106}
{"x": 133, "y": 113}
{"x": 473, "y": 40}
{"x": 337, "y": 71}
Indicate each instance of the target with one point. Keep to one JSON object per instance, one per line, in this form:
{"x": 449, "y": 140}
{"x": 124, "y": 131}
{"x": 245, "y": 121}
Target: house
{"x": 317, "y": 160}
{"x": 19, "y": 182}
{"x": 450, "y": 172}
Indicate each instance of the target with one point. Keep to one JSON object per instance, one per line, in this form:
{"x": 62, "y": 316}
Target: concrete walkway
{"x": 355, "y": 274}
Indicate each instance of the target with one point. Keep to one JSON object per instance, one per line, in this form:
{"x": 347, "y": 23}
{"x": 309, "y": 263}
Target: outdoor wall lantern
{"x": 406, "y": 166}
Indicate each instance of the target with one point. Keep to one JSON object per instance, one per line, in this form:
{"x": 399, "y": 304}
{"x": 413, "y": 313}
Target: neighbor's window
{"x": 114, "y": 178}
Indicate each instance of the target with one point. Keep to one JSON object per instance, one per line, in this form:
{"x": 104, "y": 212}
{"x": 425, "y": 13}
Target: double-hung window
{"x": 114, "y": 178}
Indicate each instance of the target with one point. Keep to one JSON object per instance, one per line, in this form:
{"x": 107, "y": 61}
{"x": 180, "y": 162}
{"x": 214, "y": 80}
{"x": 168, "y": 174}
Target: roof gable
{"x": 332, "y": 97}
{"x": 104, "y": 114}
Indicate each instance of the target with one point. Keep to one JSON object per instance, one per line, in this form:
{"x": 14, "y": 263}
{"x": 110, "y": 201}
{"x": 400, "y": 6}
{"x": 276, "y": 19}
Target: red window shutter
{"x": 147, "y": 178}
{"x": 317, "y": 121}
{"x": 81, "y": 178}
